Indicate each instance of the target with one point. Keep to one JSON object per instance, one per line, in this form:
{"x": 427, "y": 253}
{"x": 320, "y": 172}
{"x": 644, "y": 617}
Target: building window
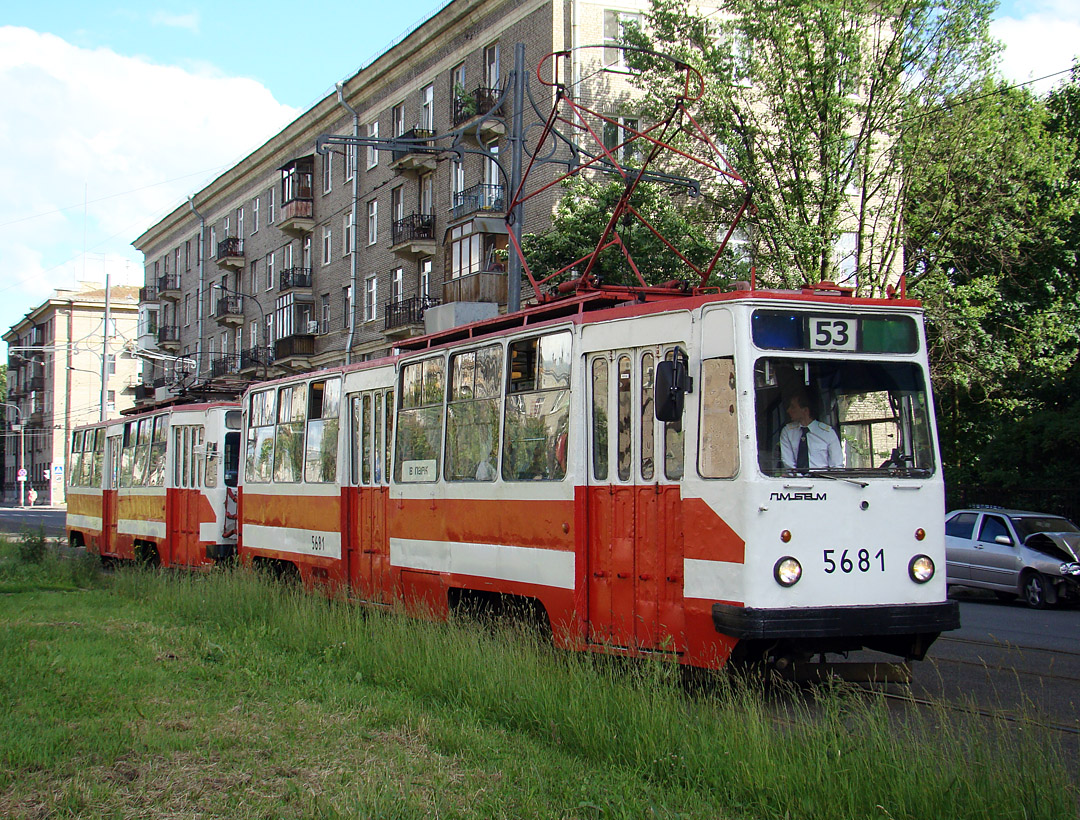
{"x": 346, "y": 302}
{"x": 165, "y": 259}
{"x": 347, "y": 233}
{"x": 187, "y": 255}
{"x": 618, "y": 132}
{"x": 397, "y": 207}
{"x": 327, "y": 172}
{"x": 305, "y": 253}
{"x": 287, "y": 257}
{"x": 427, "y": 107}
{"x": 491, "y": 165}
{"x": 255, "y": 215}
{"x": 491, "y": 65}
{"x": 425, "y": 278}
{"x": 254, "y": 276}
{"x": 327, "y": 238}
{"x": 213, "y": 243}
{"x": 270, "y": 329}
{"x": 270, "y": 207}
{"x": 457, "y": 79}
{"x": 372, "y": 222}
{"x": 110, "y": 401}
{"x": 372, "y": 151}
{"x": 457, "y": 179}
{"x": 350, "y": 161}
{"x": 240, "y": 222}
{"x": 187, "y": 303}
{"x": 370, "y": 295}
{"x": 324, "y": 327}
{"x": 615, "y": 23}
{"x": 465, "y": 250}
{"x": 397, "y": 285}
{"x": 270, "y": 271}
{"x": 397, "y": 120}
{"x": 427, "y": 194}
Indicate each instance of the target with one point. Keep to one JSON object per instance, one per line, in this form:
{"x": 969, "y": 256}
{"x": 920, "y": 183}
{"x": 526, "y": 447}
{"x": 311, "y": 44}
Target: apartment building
{"x": 55, "y": 359}
{"x": 296, "y": 259}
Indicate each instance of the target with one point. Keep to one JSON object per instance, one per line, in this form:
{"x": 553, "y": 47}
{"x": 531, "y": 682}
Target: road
{"x": 15, "y": 519}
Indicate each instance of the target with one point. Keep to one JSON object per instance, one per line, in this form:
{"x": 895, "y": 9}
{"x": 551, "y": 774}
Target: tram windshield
{"x": 842, "y": 418}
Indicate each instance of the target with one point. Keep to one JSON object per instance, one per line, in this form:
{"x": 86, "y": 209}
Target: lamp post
{"x": 22, "y": 449}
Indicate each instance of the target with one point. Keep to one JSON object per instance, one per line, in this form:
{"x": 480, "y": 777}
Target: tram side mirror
{"x": 671, "y": 386}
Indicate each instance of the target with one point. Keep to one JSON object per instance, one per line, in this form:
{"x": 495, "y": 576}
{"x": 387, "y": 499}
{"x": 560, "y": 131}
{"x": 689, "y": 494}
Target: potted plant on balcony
{"x": 465, "y": 102}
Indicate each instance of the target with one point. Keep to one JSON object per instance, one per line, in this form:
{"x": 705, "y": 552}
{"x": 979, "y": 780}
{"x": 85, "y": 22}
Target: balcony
{"x": 148, "y": 293}
{"x": 293, "y": 351}
{"x": 413, "y": 152}
{"x": 168, "y": 287}
{"x": 168, "y": 337}
{"x": 144, "y": 392}
{"x": 254, "y": 359}
{"x": 482, "y": 286}
{"x": 230, "y": 252}
{"x": 229, "y": 311}
{"x": 401, "y": 317}
{"x": 413, "y": 235}
{"x": 297, "y": 196}
{"x": 475, "y": 103}
{"x": 295, "y": 279}
{"x": 223, "y": 365}
{"x": 298, "y": 216}
{"x": 35, "y": 384}
{"x": 478, "y": 198}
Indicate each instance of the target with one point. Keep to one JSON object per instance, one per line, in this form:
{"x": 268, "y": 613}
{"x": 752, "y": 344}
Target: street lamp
{"x": 22, "y": 449}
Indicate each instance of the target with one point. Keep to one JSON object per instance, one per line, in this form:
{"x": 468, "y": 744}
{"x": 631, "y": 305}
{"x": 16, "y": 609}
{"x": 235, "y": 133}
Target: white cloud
{"x": 184, "y": 21}
{"x": 1040, "y": 39}
{"x": 96, "y": 124}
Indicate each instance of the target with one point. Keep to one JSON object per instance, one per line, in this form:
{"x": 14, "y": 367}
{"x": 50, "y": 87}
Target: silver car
{"x": 1013, "y": 552}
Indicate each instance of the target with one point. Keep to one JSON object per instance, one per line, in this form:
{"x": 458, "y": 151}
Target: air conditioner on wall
{"x": 312, "y": 327}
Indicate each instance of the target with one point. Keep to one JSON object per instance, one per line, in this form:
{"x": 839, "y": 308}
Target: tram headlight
{"x": 921, "y": 569}
{"x": 787, "y": 571}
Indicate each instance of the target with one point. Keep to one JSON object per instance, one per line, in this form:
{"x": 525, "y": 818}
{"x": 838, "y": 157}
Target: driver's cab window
{"x": 992, "y": 527}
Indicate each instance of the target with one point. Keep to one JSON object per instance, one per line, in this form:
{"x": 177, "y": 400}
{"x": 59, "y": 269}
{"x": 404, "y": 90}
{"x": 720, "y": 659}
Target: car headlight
{"x": 1070, "y": 569}
{"x": 921, "y": 569}
{"x": 787, "y": 571}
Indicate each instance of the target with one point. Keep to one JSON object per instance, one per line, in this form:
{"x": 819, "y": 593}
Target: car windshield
{"x": 858, "y": 418}
{"x": 1030, "y": 524}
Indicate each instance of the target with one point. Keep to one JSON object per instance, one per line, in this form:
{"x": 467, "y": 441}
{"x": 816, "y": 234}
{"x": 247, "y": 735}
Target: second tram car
{"x": 159, "y": 487}
{"x": 633, "y": 469}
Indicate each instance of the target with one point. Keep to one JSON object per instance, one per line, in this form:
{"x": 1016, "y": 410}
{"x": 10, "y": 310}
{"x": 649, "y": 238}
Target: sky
{"x": 114, "y": 113}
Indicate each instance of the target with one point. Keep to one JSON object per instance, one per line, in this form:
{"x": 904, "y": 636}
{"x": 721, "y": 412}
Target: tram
{"x": 158, "y": 487}
{"x": 630, "y": 467}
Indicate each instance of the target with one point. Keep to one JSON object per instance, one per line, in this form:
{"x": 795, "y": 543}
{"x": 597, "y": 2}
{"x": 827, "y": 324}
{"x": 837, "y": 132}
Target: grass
{"x": 146, "y": 694}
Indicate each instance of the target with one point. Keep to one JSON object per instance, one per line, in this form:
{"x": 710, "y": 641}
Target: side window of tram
{"x": 600, "y": 419}
{"x": 674, "y": 441}
{"x": 156, "y": 473}
{"x": 289, "y": 434}
{"x": 320, "y": 459}
{"x": 259, "y": 453}
{"x": 369, "y": 412}
{"x": 537, "y": 409}
{"x": 718, "y": 454}
{"x": 99, "y": 457}
{"x": 419, "y": 425}
{"x": 472, "y": 415}
{"x": 127, "y": 457}
{"x": 75, "y": 462}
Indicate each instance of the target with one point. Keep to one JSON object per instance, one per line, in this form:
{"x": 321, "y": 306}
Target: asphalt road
{"x": 14, "y": 520}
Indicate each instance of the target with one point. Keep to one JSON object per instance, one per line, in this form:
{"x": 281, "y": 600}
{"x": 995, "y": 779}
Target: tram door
{"x": 111, "y": 481}
{"x": 634, "y": 510}
{"x": 368, "y": 548}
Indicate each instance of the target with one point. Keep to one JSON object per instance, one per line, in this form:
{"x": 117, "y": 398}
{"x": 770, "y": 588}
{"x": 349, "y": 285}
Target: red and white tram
{"x": 159, "y": 487}
{"x": 619, "y": 463}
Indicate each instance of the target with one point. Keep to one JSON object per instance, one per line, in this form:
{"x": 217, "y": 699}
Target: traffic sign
{"x": 21, "y": 475}
{"x": 46, "y": 473}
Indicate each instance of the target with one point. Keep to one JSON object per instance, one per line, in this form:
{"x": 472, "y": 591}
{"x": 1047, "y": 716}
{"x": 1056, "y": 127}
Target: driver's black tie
{"x": 802, "y": 458}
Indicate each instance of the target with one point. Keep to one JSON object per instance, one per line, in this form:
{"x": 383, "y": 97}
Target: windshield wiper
{"x": 831, "y": 477}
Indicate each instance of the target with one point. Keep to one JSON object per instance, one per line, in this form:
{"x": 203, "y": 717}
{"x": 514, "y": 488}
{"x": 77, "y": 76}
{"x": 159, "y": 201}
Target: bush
{"x": 32, "y": 546}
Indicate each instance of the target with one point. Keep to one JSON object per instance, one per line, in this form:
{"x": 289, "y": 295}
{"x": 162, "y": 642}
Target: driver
{"x": 806, "y": 443}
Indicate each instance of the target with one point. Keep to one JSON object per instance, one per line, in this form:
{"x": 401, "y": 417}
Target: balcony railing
{"x": 35, "y": 383}
{"x": 407, "y": 311}
{"x": 478, "y": 198}
{"x": 144, "y": 392}
{"x": 298, "y": 216}
{"x": 473, "y": 103}
{"x": 229, "y": 306}
{"x": 255, "y": 357}
{"x": 168, "y": 335}
{"x": 418, "y": 136}
{"x": 224, "y": 364}
{"x": 481, "y": 286}
{"x": 292, "y": 278}
{"x": 295, "y": 345}
{"x": 168, "y": 286}
{"x": 230, "y": 246}
{"x": 148, "y": 293}
{"x": 413, "y": 228}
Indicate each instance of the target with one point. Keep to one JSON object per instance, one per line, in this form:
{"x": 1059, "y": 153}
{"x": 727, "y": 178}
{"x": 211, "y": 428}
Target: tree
{"x": 808, "y": 99}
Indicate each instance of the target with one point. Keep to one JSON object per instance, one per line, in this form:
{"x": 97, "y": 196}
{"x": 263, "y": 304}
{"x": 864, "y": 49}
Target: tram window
{"x": 260, "y": 438}
{"x": 232, "y": 420}
{"x": 198, "y": 456}
{"x": 718, "y": 453}
{"x": 536, "y": 416}
{"x": 623, "y": 453}
{"x": 472, "y": 415}
{"x": 674, "y": 441}
{"x": 127, "y": 459}
{"x": 365, "y": 439}
{"x": 389, "y": 434}
{"x": 648, "y": 422}
{"x": 156, "y": 472}
{"x": 75, "y": 462}
{"x": 99, "y": 456}
{"x": 178, "y": 456}
{"x": 320, "y": 460}
{"x": 419, "y": 424}
{"x": 289, "y": 433}
{"x": 878, "y": 411}
{"x": 376, "y": 444}
{"x": 232, "y": 459}
{"x": 600, "y": 419}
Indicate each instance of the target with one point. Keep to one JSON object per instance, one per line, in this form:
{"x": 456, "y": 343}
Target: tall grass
{"x": 838, "y": 754}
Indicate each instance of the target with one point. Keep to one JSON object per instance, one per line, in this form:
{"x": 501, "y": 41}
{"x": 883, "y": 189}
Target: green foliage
{"x": 585, "y": 210}
{"x": 32, "y": 546}
{"x": 806, "y": 100}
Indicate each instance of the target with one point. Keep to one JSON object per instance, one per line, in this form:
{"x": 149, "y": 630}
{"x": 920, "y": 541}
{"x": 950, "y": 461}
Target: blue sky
{"x": 114, "y": 113}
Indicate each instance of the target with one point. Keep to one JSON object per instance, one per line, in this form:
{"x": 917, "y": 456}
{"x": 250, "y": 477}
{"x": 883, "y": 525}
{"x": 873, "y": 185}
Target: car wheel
{"x": 1036, "y": 591}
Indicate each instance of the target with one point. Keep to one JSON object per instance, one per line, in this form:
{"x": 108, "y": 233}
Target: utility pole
{"x": 105, "y": 353}
{"x": 517, "y": 140}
